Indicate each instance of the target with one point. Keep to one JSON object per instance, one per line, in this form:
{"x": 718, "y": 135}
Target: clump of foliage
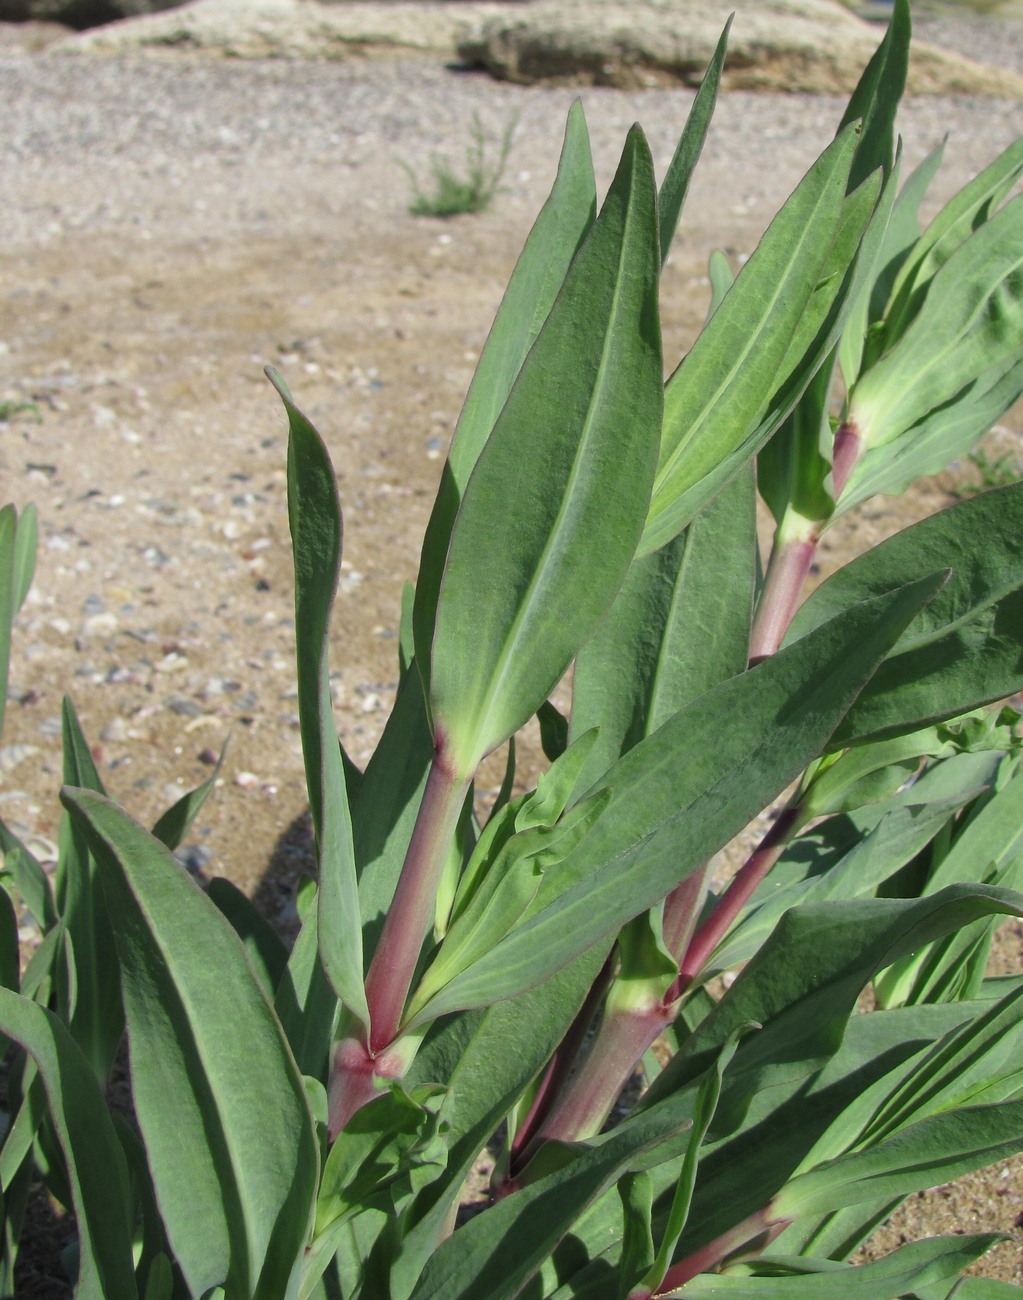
{"x": 452, "y": 193}
{"x": 306, "y": 1118}
{"x": 992, "y": 472}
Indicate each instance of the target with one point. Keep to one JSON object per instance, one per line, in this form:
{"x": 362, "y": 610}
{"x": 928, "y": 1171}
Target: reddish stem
{"x": 555, "y": 1077}
{"x": 353, "y": 1080}
{"x": 750, "y": 1237}
{"x": 682, "y": 911}
{"x": 412, "y": 908}
{"x": 736, "y": 896}
{"x": 621, "y": 1040}
{"x": 844, "y": 456}
{"x": 787, "y": 572}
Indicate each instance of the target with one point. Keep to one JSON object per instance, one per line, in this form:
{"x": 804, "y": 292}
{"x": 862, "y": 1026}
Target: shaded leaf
{"x": 220, "y": 1104}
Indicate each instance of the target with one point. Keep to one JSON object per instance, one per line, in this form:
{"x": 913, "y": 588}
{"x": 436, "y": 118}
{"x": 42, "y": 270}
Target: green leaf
{"x": 706, "y": 1104}
{"x": 384, "y": 811}
{"x": 177, "y": 821}
{"x": 266, "y": 950}
{"x": 984, "y": 1288}
{"x": 220, "y": 1103}
{"x": 18, "y": 543}
{"x": 541, "y": 269}
{"x": 978, "y": 1063}
{"x": 932, "y": 1151}
{"x": 863, "y": 337}
{"x": 988, "y": 849}
{"x": 97, "y": 1017}
{"x": 375, "y": 1149}
{"x": 921, "y": 1263}
{"x": 314, "y": 512}
{"x": 969, "y": 208}
{"x": 803, "y": 983}
{"x": 675, "y": 187}
{"x": 814, "y": 869}
{"x": 522, "y": 545}
{"x": 493, "y": 1255}
{"x": 305, "y": 1003}
{"x": 941, "y": 437}
{"x": 486, "y": 1059}
{"x": 963, "y": 649}
{"x": 717, "y": 405}
{"x": 719, "y": 273}
{"x": 680, "y": 795}
{"x": 636, "y": 1192}
{"x": 29, "y": 878}
{"x": 95, "y": 1163}
{"x": 970, "y": 324}
{"x": 876, "y": 98}
{"x": 679, "y": 625}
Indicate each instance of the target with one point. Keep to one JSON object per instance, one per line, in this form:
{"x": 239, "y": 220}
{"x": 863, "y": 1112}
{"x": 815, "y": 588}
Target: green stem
{"x": 414, "y": 904}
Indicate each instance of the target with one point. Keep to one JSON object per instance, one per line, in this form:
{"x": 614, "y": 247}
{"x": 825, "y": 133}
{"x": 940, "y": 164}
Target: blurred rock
{"x": 815, "y": 46}
{"x": 79, "y": 14}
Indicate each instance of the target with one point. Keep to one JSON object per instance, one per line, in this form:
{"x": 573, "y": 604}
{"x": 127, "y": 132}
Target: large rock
{"x": 775, "y": 45}
{"x": 256, "y": 29}
{"x": 79, "y": 14}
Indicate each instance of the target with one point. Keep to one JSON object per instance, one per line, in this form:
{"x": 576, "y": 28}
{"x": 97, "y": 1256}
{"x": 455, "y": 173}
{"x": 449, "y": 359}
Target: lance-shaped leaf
{"x": 679, "y": 625}
{"x": 570, "y": 460}
{"x": 485, "y": 1059}
{"x": 94, "y": 1012}
{"x": 384, "y": 811}
{"x": 970, "y": 324}
{"x": 18, "y": 541}
{"x": 219, "y": 1101}
{"x": 681, "y": 794}
{"x": 932, "y": 1151}
{"x": 29, "y": 878}
{"x": 814, "y": 869}
{"x": 934, "y": 1262}
{"x": 988, "y": 850}
{"x": 953, "y": 225}
{"x": 943, "y": 435}
{"x": 861, "y": 345}
{"x": 96, "y": 1168}
{"x": 305, "y": 1002}
{"x": 495, "y": 1254}
{"x": 265, "y": 948}
{"x": 314, "y": 513}
{"x": 675, "y": 186}
{"x": 765, "y": 340}
{"x": 966, "y": 648}
{"x": 875, "y": 100}
{"x": 553, "y": 242}
{"x": 176, "y": 822}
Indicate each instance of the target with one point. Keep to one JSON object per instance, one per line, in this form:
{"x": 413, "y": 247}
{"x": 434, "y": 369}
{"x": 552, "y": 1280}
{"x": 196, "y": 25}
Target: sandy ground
{"x": 174, "y": 224}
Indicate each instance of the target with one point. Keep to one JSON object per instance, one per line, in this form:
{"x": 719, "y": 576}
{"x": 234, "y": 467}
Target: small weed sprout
{"x": 452, "y": 194}
{"x": 993, "y": 471}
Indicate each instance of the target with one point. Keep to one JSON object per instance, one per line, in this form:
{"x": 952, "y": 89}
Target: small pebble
{"x": 12, "y": 755}
{"x": 194, "y": 858}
